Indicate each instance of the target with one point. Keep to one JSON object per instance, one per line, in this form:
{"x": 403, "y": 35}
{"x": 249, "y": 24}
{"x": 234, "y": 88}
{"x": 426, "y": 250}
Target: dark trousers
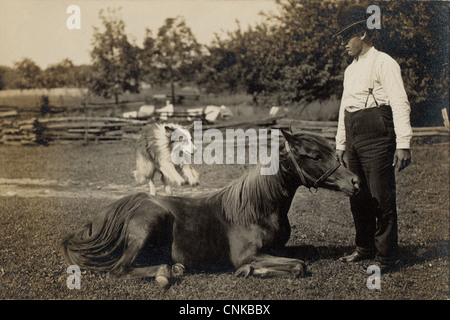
{"x": 370, "y": 149}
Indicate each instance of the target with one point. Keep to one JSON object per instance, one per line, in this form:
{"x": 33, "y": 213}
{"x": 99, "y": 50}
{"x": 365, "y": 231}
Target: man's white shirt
{"x": 388, "y": 89}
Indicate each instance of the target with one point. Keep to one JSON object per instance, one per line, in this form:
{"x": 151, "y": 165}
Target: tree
{"x": 416, "y": 34}
{"x": 83, "y": 76}
{"x": 217, "y": 73}
{"x": 29, "y": 74}
{"x": 8, "y": 78}
{"x": 287, "y": 58}
{"x": 114, "y": 59}
{"x": 291, "y": 57}
{"x": 232, "y": 62}
{"x": 59, "y": 75}
{"x": 294, "y": 58}
{"x": 149, "y": 67}
{"x": 236, "y": 62}
{"x": 174, "y": 52}
{"x": 3, "y": 71}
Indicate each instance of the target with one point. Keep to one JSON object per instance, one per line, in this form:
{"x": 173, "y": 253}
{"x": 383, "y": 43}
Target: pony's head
{"x": 314, "y": 163}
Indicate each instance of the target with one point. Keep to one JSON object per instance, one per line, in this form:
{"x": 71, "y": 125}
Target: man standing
{"x": 374, "y": 133}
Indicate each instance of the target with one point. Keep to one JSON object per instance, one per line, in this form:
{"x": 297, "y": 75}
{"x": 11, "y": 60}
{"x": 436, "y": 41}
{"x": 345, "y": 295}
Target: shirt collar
{"x": 365, "y": 55}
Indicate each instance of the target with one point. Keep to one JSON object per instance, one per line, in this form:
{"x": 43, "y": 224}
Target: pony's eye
{"x": 316, "y": 157}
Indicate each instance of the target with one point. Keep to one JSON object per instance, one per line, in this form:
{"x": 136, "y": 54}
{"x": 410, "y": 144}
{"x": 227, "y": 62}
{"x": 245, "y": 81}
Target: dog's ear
{"x": 169, "y": 129}
{"x": 190, "y": 127}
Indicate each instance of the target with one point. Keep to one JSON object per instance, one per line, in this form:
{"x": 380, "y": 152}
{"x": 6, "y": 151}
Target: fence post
{"x": 85, "y": 123}
{"x": 445, "y": 116}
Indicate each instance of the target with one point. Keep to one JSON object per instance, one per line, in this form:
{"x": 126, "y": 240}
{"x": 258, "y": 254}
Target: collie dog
{"x": 154, "y": 154}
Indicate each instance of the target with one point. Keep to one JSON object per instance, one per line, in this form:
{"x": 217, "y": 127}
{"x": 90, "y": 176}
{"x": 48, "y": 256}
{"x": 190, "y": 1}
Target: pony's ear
{"x": 291, "y": 127}
{"x": 287, "y": 134}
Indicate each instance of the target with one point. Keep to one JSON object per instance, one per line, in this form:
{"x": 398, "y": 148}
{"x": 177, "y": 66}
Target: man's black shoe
{"x": 355, "y": 257}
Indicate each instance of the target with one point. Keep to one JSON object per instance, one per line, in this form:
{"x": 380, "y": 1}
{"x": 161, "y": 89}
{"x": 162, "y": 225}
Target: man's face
{"x": 353, "y": 44}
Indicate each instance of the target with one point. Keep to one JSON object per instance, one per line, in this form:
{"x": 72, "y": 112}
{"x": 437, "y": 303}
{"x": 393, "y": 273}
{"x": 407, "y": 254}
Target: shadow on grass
{"x": 409, "y": 255}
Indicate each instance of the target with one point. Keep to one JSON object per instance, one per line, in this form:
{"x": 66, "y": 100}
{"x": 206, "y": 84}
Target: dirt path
{"x": 74, "y": 189}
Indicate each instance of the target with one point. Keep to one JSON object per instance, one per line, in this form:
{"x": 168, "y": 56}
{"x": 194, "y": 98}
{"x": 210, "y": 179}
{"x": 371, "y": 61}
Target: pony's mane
{"x": 253, "y": 196}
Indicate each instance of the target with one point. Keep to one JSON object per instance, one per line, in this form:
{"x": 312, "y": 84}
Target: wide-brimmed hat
{"x": 351, "y": 17}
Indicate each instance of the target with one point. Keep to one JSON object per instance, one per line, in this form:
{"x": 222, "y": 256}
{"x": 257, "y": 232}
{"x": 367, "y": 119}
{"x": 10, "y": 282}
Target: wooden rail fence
{"x": 101, "y": 129}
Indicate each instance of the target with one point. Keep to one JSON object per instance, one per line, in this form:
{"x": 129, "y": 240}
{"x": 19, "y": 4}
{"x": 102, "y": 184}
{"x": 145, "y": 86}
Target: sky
{"x": 37, "y": 29}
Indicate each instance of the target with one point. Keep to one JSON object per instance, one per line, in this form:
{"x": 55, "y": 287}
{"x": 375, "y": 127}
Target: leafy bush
{"x": 416, "y": 34}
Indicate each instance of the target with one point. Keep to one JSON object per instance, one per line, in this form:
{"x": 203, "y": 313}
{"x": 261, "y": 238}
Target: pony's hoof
{"x": 162, "y": 276}
{"x": 163, "y": 282}
{"x": 300, "y": 270}
{"x": 245, "y": 271}
{"x": 178, "y": 270}
{"x": 112, "y": 276}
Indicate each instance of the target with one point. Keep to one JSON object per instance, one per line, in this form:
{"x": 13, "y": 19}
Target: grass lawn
{"x": 31, "y": 228}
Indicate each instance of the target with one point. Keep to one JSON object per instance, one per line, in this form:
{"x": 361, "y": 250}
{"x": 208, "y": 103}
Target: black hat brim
{"x": 347, "y": 28}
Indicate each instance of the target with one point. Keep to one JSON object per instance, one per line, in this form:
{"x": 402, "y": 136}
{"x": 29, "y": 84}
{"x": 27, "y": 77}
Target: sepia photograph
{"x": 224, "y": 157}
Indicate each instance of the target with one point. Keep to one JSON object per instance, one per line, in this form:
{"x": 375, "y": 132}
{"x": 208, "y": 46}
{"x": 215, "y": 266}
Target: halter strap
{"x": 302, "y": 174}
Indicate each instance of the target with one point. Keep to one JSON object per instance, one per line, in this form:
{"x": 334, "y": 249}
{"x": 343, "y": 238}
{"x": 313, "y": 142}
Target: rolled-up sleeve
{"x": 392, "y": 82}
{"x": 340, "y": 134}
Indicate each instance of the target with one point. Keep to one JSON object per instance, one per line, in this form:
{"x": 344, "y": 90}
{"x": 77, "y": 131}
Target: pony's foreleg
{"x": 190, "y": 173}
{"x": 162, "y": 273}
{"x": 144, "y": 226}
{"x": 267, "y": 265}
{"x": 145, "y": 170}
{"x": 167, "y": 187}
{"x": 152, "y": 187}
{"x": 168, "y": 170}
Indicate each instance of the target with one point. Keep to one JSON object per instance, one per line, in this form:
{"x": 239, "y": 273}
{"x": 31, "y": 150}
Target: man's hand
{"x": 340, "y": 157}
{"x": 402, "y": 159}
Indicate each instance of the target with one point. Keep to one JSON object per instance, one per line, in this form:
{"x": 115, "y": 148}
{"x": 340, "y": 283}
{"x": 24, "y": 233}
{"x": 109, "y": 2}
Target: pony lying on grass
{"x": 239, "y": 223}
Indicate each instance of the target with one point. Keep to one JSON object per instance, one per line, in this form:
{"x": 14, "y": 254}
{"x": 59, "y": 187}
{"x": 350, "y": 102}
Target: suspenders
{"x": 371, "y": 80}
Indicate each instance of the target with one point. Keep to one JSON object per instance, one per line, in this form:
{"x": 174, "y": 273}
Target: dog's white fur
{"x": 153, "y": 154}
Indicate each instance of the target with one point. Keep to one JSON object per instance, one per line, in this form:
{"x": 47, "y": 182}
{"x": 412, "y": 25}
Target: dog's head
{"x": 180, "y": 138}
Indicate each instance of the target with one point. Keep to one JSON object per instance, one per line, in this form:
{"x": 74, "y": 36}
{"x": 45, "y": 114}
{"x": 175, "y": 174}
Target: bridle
{"x": 303, "y": 175}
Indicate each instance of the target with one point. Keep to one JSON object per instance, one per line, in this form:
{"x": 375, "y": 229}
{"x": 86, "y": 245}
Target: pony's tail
{"x": 100, "y": 251}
